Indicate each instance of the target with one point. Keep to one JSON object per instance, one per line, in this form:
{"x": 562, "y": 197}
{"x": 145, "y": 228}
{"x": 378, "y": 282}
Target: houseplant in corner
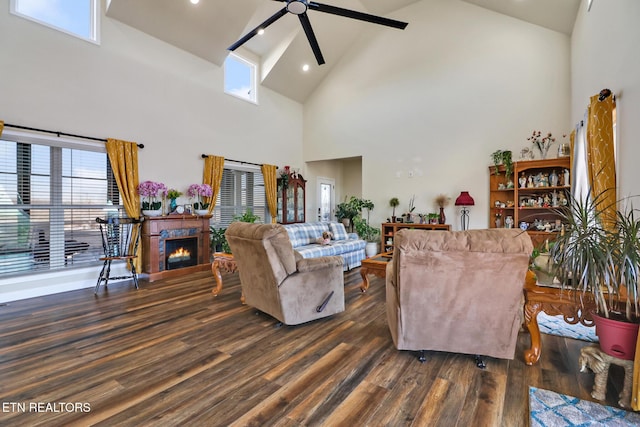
{"x": 599, "y": 254}
{"x": 368, "y": 233}
{"x": 348, "y": 210}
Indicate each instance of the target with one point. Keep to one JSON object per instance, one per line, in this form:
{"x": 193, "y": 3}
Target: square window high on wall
{"x": 240, "y": 78}
{"x": 79, "y": 18}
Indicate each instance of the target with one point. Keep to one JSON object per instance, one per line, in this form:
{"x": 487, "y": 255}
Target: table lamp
{"x": 464, "y": 200}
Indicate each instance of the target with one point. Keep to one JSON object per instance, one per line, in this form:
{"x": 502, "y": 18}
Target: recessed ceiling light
{"x": 195, "y": 1}
{"x": 261, "y": 31}
{"x": 305, "y": 67}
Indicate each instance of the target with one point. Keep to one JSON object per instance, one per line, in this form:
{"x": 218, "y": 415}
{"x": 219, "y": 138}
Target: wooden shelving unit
{"x": 389, "y": 230}
{"x": 534, "y": 200}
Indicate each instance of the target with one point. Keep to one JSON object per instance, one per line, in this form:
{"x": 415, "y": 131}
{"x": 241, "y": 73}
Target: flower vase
{"x": 544, "y": 151}
{"x": 151, "y": 212}
{"x": 173, "y": 205}
{"x": 441, "y": 218}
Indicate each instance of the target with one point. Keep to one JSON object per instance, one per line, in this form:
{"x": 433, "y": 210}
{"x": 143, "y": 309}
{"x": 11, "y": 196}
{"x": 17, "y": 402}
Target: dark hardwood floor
{"x": 172, "y": 354}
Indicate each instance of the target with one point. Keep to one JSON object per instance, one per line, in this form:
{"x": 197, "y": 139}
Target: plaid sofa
{"x": 304, "y": 237}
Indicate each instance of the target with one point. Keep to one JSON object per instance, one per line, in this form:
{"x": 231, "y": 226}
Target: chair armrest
{"x": 313, "y": 264}
{"x": 353, "y": 236}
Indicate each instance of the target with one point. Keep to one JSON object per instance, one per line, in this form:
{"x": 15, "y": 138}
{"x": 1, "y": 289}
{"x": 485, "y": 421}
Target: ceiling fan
{"x": 299, "y": 7}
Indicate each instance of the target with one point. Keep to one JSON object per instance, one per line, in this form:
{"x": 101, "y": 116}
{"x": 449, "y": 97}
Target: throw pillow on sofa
{"x": 338, "y": 231}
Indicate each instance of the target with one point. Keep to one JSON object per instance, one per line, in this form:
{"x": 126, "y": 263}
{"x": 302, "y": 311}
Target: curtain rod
{"x": 204, "y": 156}
{"x": 58, "y": 134}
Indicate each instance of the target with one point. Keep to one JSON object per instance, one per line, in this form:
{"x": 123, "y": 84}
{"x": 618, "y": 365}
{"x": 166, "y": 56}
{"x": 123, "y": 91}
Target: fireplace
{"x": 181, "y": 252}
{"x": 163, "y": 235}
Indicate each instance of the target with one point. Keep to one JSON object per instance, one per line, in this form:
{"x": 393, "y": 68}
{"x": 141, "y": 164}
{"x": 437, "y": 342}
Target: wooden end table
{"x": 376, "y": 265}
{"x": 574, "y": 306}
{"x": 224, "y": 261}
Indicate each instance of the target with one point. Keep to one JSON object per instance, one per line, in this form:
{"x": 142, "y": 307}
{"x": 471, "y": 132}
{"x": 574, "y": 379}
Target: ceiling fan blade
{"x": 279, "y": 14}
{"x": 357, "y": 15}
{"x": 315, "y": 47}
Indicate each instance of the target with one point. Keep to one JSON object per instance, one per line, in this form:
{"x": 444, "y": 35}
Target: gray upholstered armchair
{"x": 457, "y": 291}
{"x": 278, "y": 281}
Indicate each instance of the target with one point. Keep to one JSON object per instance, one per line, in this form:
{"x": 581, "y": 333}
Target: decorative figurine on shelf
{"x": 508, "y": 221}
{"x": 553, "y": 179}
{"x": 522, "y": 181}
{"x": 565, "y": 175}
{"x": 554, "y": 199}
{"x": 530, "y": 181}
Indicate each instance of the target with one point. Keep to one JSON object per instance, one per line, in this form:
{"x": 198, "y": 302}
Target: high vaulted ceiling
{"x": 210, "y": 27}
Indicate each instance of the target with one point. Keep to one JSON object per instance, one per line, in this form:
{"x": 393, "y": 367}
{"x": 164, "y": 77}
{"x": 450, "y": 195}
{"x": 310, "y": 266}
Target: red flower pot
{"x": 617, "y": 338}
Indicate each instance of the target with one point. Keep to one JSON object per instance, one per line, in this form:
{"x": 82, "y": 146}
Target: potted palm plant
{"x": 599, "y": 254}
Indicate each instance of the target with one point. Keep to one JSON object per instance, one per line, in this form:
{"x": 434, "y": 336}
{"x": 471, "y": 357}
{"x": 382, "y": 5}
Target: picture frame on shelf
{"x": 188, "y": 209}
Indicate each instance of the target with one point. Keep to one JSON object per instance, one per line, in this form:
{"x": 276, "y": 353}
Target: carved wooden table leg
{"x": 531, "y": 310}
{"x": 215, "y": 270}
{"x": 365, "y": 280}
{"x": 574, "y": 307}
{"x": 225, "y": 262}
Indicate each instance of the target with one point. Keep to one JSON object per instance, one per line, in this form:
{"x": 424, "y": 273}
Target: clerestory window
{"x": 240, "y": 78}
{"x": 79, "y": 18}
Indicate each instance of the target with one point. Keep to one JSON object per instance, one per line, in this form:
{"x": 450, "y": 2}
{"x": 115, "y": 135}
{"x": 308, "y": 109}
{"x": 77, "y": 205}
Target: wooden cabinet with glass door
{"x": 531, "y": 198}
{"x": 291, "y": 199}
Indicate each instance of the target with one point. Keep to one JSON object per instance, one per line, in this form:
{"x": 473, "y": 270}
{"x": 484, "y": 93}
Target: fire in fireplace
{"x": 181, "y": 252}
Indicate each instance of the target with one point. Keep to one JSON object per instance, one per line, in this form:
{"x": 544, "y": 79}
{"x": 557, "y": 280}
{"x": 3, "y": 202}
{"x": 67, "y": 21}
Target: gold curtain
{"x": 212, "y": 175}
{"x": 123, "y": 156}
{"x": 271, "y": 189}
{"x": 601, "y": 155}
{"x": 1, "y": 127}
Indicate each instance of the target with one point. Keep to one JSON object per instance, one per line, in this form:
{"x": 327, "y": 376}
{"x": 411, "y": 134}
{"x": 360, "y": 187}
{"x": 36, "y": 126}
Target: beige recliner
{"x": 281, "y": 283}
{"x": 457, "y": 291}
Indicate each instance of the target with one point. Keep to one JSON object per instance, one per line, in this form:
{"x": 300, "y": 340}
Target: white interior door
{"x": 326, "y": 199}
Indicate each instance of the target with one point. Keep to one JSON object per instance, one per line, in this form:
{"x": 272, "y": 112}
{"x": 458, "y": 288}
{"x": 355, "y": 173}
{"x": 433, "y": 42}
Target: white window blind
{"x": 50, "y": 196}
{"x": 242, "y": 189}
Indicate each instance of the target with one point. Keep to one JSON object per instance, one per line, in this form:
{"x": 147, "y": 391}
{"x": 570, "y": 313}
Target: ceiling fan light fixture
{"x": 297, "y": 7}
{"x": 261, "y": 31}
{"x": 305, "y": 67}
{"x": 195, "y": 1}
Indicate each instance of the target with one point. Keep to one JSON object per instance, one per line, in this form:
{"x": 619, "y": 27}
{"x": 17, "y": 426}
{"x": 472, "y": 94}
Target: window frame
{"x": 57, "y": 207}
{"x": 94, "y": 24}
{"x": 253, "y": 68}
{"x": 224, "y": 210}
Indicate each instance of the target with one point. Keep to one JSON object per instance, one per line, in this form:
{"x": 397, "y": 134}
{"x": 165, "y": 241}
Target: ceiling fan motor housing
{"x": 297, "y": 7}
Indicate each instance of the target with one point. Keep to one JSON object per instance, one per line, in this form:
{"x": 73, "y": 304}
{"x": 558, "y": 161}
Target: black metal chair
{"x": 120, "y": 237}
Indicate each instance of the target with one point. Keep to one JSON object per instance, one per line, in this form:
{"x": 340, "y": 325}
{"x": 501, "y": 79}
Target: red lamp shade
{"x": 465, "y": 199}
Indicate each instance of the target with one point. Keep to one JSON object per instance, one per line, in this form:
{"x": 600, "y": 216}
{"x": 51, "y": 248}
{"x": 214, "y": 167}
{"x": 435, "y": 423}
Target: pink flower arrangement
{"x": 200, "y": 191}
{"x": 150, "y": 190}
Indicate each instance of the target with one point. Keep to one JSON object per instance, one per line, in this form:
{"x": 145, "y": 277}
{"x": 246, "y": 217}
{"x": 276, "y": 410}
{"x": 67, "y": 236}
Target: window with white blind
{"x": 50, "y": 196}
{"x": 242, "y": 189}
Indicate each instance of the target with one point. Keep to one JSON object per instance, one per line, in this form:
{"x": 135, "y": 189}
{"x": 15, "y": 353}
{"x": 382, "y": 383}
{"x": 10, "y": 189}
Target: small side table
{"x": 376, "y": 265}
{"x": 224, "y": 261}
{"x": 574, "y": 306}
{"x": 599, "y": 362}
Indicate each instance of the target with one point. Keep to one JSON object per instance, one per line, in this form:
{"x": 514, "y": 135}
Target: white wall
{"x": 137, "y": 88}
{"x": 604, "y": 54}
{"x": 435, "y": 100}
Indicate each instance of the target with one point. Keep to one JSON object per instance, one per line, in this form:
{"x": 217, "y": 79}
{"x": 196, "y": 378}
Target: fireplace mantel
{"x": 156, "y": 230}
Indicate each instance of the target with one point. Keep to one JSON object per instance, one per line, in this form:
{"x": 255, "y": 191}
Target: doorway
{"x": 326, "y": 199}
